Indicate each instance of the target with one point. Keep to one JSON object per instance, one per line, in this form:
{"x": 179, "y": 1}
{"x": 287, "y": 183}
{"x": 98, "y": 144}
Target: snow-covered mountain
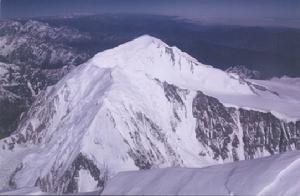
{"x": 144, "y": 105}
{"x": 275, "y": 175}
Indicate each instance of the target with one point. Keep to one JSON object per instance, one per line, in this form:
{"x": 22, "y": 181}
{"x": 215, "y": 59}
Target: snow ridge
{"x": 284, "y": 176}
{"x": 239, "y": 178}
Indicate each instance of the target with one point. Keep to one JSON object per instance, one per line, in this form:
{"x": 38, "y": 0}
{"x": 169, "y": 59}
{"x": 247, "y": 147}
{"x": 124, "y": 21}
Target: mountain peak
{"x": 146, "y": 40}
{"x": 152, "y": 57}
{"x": 142, "y": 46}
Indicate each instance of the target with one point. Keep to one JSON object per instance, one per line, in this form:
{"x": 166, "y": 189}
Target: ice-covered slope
{"x": 154, "y": 58}
{"x": 275, "y": 175}
{"x": 141, "y": 105}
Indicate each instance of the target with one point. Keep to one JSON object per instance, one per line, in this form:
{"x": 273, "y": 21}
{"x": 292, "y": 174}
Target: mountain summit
{"x": 143, "y": 105}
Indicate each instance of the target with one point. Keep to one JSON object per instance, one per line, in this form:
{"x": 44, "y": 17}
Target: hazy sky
{"x": 246, "y": 12}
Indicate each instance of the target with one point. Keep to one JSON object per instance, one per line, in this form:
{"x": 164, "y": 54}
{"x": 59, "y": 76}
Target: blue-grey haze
{"x": 234, "y": 12}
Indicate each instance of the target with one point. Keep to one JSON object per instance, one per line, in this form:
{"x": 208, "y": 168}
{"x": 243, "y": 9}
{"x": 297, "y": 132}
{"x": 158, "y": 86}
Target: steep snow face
{"x": 158, "y": 60}
{"x": 137, "y": 106}
{"x": 275, "y": 175}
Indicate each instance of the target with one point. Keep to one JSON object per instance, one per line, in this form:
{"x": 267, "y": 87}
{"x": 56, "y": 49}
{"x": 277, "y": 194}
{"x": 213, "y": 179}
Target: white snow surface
{"x": 86, "y": 182}
{"x": 148, "y": 56}
{"x": 25, "y": 191}
{"x": 274, "y": 175}
{"x": 102, "y": 110}
{"x": 287, "y": 104}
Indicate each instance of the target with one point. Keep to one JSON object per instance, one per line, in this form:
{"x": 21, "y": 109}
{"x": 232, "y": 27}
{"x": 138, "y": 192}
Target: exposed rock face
{"x": 226, "y": 130}
{"x": 19, "y": 87}
{"x": 36, "y": 55}
{"x": 214, "y": 126}
{"x": 68, "y": 182}
{"x": 262, "y": 133}
{"x": 245, "y": 73}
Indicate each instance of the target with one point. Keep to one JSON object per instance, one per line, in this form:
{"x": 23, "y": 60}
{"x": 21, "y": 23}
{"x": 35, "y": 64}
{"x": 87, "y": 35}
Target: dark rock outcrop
{"x": 68, "y": 182}
{"x": 262, "y": 133}
{"x": 214, "y": 125}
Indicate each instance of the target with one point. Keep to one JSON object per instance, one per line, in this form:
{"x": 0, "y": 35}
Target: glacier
{"x": 144, "y": 105}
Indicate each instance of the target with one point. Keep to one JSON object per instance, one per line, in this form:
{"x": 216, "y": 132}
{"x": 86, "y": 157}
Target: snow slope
{"x": 275, "y": 175}
{"x": 147, "y": 55}
{"x": 288, "y": 90}
{"x": 24, "y": 191}
{"x": 139, "y": 106}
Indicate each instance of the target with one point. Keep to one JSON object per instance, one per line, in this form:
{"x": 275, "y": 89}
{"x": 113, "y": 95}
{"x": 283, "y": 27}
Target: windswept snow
{"x": 275, "y": 175}
{"x": 284, "y": 104}
{"x": 288, "y": 102}
{"x": 86, "y": 181}
{"x": 25, "y": 191}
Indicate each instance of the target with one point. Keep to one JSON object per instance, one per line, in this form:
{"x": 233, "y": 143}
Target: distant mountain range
{"x": 34, "y": 56}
